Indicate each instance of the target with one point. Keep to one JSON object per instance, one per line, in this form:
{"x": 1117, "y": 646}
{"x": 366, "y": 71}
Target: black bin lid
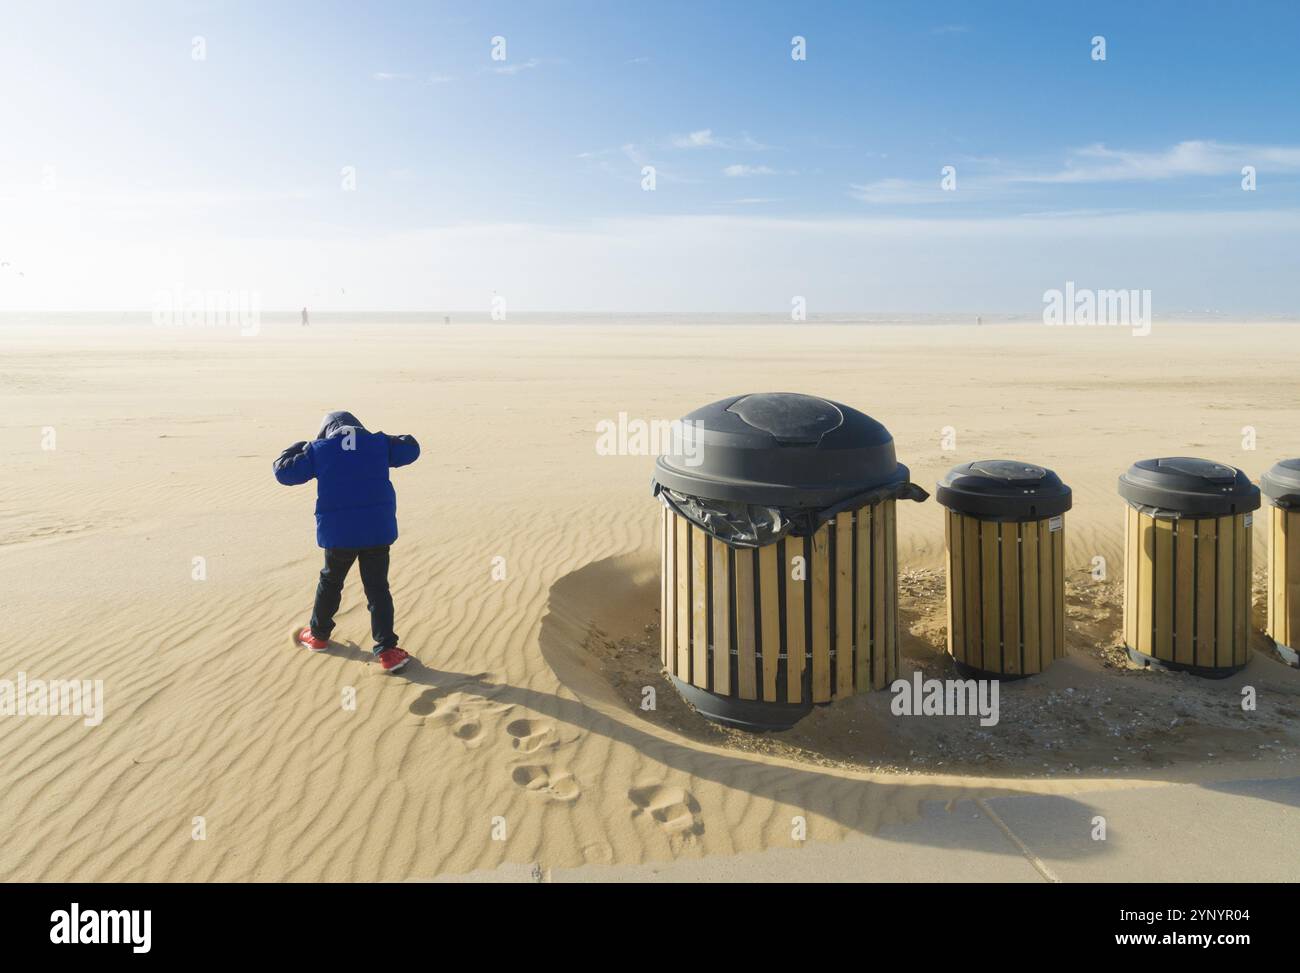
{"x": 1188, "y": 486}
{"x": 1281, "y": 484}
{"x": 780, "y": 449}
{"x": 1003, "y": 489}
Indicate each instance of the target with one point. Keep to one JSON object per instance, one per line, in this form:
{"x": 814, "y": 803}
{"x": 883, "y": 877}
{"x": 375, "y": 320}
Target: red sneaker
{"x": 307, "y": 640}
{"x": 393, "y": 659}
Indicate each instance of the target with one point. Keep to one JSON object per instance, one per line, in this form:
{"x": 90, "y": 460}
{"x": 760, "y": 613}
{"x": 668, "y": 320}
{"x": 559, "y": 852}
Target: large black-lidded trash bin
{"x": 1187, "y": 564}
{"x": 778, "y": 569}
{"x": 1006, "y": 562}
{"x": 1281, "y": 484}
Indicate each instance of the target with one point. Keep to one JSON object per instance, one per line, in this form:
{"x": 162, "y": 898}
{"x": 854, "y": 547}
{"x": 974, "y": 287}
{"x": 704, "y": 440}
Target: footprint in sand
{"x": 529, "y": 735}
{"x": 481, "y": 681}
{"x": 464, "y": 713}
{"x": 674, "y": 809}
{"x": 548, "y": 782}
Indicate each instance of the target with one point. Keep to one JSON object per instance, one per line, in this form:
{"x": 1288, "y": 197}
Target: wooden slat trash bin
{"x": 778, "y": 541}
{"x": 1187, "y": 558}
{"x": 1281, "y": 484}
{"x": 1006, "y": 559}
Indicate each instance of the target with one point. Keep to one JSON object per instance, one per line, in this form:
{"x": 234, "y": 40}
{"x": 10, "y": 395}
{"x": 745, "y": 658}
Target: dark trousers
{"x": 374, "y": 578}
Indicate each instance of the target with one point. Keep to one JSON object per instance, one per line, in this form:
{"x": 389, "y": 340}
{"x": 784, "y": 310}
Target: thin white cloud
{"x": 1075, "y": 214}
{"x": 518, "y": 66}
{"x": 390, "y": 76}
{"x": 740, "y": 170}
{"x": 1097, "y": 163}
{"x": 695, "y": 140}
{"x": 605, "y": 161}
{"x": 899, "y": 191}
{"x": 978, "y": 160}
{"x": 627, "y": 149}
{"x": 704, "y": 138}
{"x": 952, "y": 29}
{"x": 645, "y": 152}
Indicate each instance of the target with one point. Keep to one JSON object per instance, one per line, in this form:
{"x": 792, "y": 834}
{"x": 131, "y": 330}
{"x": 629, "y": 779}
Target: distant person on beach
{"x": 304, "y": 317}
{"x": 356, "y": 520}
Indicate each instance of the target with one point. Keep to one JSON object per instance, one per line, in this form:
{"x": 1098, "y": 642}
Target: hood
{"x": 335, "y": 422}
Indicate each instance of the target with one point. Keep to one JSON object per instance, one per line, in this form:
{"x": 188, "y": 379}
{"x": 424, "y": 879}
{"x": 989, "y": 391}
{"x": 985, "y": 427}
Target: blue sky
{"x": 130, "y": 167}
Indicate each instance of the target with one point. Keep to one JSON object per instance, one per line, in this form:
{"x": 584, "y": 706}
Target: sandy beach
{"x": 132, "y": 451}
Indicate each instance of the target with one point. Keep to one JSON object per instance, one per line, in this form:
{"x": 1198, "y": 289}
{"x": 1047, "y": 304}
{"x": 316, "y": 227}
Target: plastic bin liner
{"x": 1163, "y": 513}
{"x": 749, "y": 525}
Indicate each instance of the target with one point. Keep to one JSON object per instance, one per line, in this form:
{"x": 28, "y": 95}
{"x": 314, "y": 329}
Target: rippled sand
{"x": 508, "y": 742}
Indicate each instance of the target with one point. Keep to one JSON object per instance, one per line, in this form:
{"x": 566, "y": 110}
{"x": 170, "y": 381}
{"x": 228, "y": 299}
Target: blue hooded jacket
{"x": 355, "y": 502}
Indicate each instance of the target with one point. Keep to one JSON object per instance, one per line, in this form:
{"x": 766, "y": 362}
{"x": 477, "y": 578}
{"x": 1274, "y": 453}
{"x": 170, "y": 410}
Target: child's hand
{"x": 293, "y": 466}
{"x": 402, "y": 450}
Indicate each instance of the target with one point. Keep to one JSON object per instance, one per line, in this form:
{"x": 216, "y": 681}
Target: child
{"x": 356, "y": 520}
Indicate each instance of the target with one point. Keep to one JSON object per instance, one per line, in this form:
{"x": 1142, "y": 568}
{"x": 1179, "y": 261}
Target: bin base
{"x": 1289, "y": 655}
{"x": 970, "y": 672}
{"x": 1206, "y": 672}
{"x": 753, "y": 715}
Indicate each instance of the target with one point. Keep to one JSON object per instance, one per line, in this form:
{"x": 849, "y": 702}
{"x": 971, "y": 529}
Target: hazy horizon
{"x": 473, "y": 316}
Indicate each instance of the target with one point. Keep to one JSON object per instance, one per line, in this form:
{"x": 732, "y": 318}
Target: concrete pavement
{"x": 1243, "y": 831}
